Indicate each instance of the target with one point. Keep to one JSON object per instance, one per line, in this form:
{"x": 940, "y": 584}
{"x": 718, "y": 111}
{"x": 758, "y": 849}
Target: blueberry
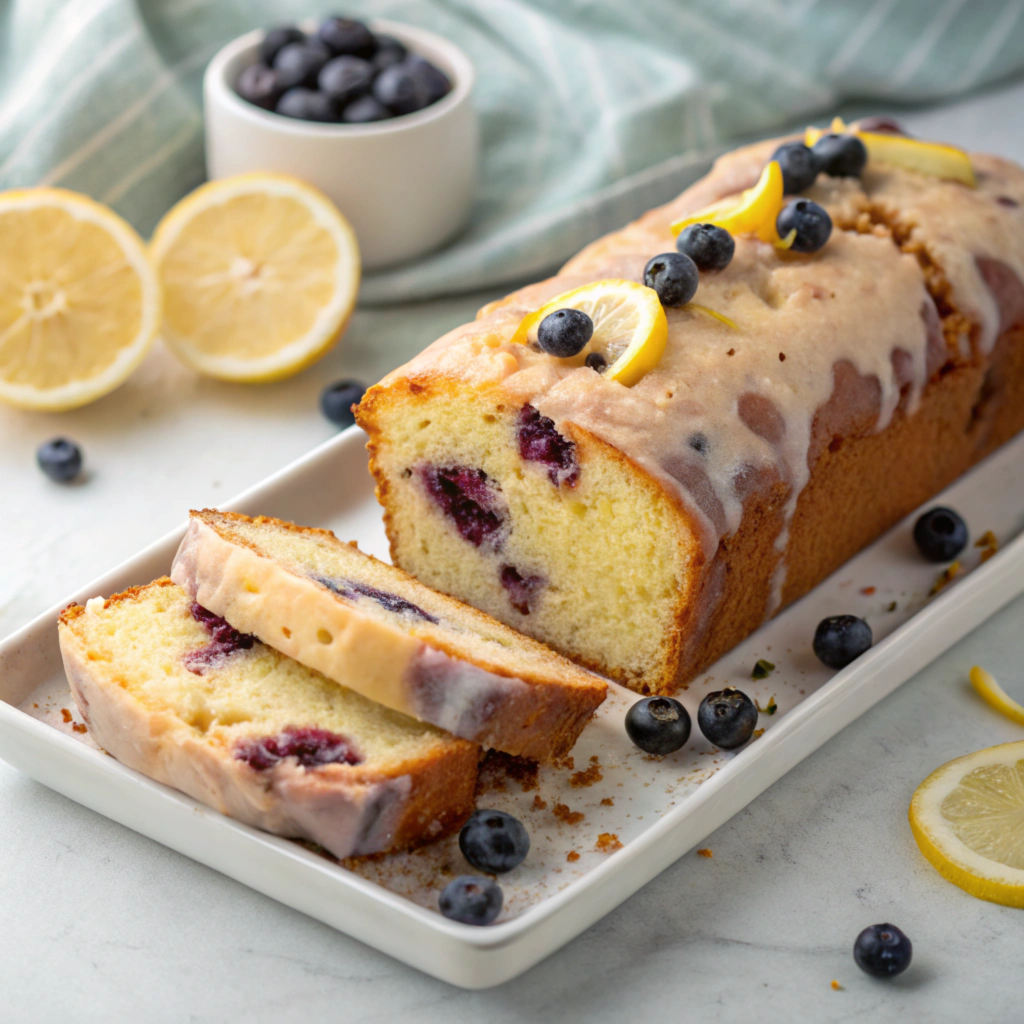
{"x": 307, "y": 105}
{"x": 940, "y": 535}
{"x": 658, "y": 725}
{"x": 799, "y": 166}
{"x": 276, "y": 39}
{"x": 494, "y": 841}
{"x": 596, "y": 362}
{"x": 812, "y": 222}
{"x": 673, "y": 276}
{"x": 840, "y": 639}
{"x": 883, "y": 951}
{"x": 565, "y": 332}
{"x": 433, "y": 79}
{"x": 345, "y": 79}
{"x": 709, "y": 246}
{"x": 347, "y": 37}
{"x": 471, "y": 900}
{"x": 364, "y": 110}
{"x": 727, "y": 718}
{"x": 400, "y": 91}
{"x": 842, "y": 156}
{"x": 389, "y": 51}
{"x": 60, "y": 459}
{"x": 337, "y": 399}
{"x": 300, "y": 63}
{"x": 259, "y": 85}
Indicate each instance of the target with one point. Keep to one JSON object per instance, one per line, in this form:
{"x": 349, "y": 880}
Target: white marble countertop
{"x": 98, "y": 923}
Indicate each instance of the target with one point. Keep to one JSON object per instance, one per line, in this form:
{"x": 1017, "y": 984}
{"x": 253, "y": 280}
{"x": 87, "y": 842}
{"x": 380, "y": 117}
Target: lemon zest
{"x": 708, "y": 311}
{"x": 995, "y": 696}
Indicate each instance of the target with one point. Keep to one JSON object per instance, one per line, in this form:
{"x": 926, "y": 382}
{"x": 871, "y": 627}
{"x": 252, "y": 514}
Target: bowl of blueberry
{"x": 378, "y": 115}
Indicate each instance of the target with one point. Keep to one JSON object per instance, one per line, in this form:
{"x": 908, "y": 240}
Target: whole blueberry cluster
{"x": 343, "y": 73}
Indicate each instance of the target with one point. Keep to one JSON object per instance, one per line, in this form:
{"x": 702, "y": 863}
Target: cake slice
{"x": 171, "y": 690}
{"x": 376, "y": 629}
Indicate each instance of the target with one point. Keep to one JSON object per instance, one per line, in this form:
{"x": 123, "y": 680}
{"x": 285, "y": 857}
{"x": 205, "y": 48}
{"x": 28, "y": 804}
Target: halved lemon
{"x": 630, "y": 328}
{"x": 968, "y": 820}
{"x": 260, "y": 274}
{"x": 995, "y": 696}
{"x": 754, "y": 212}
{"x": 79, "y": 302}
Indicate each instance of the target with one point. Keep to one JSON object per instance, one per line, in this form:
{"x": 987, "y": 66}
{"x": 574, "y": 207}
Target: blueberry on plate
{"x": 727, "y": 718}
{"x": 345, "y": 79}
{"x": 940, "y": 534}
{"x": 799, "y": 166}
{"x": 300, "y": 63}
{"x": 883, "y": 951}
{"x": 658, "y": 725}
{"x": 432, "y": 78}
{"x": 389, "y": 51}
{"x": 494, "y": 841}
{"x": 365, "y": 110}
{"x": 60, "y": 459}
{"x": 400, "y": 91}
{"x": 673, "y": 276}
{"x": 259, "y": 85}
{"x": 841, "y": 156}
{"x": 347, "y": 37}
{"x": 812, "y": 223}
{"x": 471, "y": 899}
{"x": 307, "y": 105}
{"x": 840, "y": 639}
{"x": 709, "y": 246}
{"x": 337, "y": 399}
{"x": 565, "y": 332}
{"x": 276, "y": 39}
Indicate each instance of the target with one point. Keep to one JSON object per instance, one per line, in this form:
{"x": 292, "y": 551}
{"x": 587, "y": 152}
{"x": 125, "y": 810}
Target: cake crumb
{"x": 587, "y": 777}
{"x": 607, "y": 802}
{"x": 836, "y": 987}
{"x": 66, "y": 714}
{"x": 891, "y": 606}
{"x": 945, "y": 578}
{"x": 705, "y": 852}
{"x": 79, "y": 727}
{"x": 567, "y": 762}
{"x": 572, "y": 856}
{"x": 562, "y": 813}
{"x": 498, "y": 768}
{"x": 868, "y": 591}
{"x": 35, "y": 706}
{"x": 538, "y": 803}
{"x": 758, "y": 733}
{"x": 607, "y": 842}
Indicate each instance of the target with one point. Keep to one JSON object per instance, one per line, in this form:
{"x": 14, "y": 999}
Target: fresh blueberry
{"x": 400, "y": 91}
{"x": 727, "y": 718}
{"x": 259, "y": 85}
{"x": 494, "y": 841}
{"x": 389, "y": 51}
{"x": 60, "y": 459}
{"x": 300, "y": 63}
{"x": 364, "y": 110}
{"x": 673, "y": 276}
{"x": 596, "y": 362}
{"x": 883, "y": 951}
{"x": 940, "y": 535}
{"x": 840, "y": 639}
{"x": 345, "y": 79}
{"x": 812, "y": 222}
{"x": 709, "y": 246}
{"x": 432, "y": 78}
{"x": 471, "y": 900}
{"x": 307, "y": 105}
{"x": 337, "y": 399}
{"x": 347, "y": 37}
{"x": 565, "y": 332}
{"x": 841, "y": 156}
{"x": 658, "y": 725}
{"x": 799, "y": 166}
{"x": 276, "y": 39}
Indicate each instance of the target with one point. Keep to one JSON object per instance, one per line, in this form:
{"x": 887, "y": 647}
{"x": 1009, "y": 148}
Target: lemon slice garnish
{"x": 260, "y": 274}
{"x": 753, "y": 213}
{"x": 995, "y": 696}
{"x": 968, "y": 820}
{"x": 79, "y": 302}
{"x": 630, "y": 328}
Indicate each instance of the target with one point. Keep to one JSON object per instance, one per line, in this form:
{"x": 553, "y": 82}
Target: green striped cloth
{"x": 592, "y": 110}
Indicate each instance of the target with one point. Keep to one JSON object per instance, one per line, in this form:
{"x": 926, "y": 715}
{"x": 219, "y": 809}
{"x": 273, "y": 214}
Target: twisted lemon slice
{"x": 995, "y": 696}
{"x": 630, "y": 329}
{"x": 754, "y": 212}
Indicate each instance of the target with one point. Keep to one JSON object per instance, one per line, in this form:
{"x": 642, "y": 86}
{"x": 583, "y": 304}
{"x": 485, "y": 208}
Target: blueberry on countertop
{"x": 494, "y": 841}
{"x": 276, "y": 39}
{"x": 565, "y": 332}
{"x": 673, "y": 276}
{"x": 812, "y": 222}
{"x": 883, "y": 951}
{"x": 307, "y": 105}
{"x": 389, "y": 51}
{"x": 799, "y": 166}
{"x": 727, "y": 718}
{"x": 345, "y": 79}
{"x": 596, "y": 362}
{"x": 431, "y": 77}
{"x": 840, "y": 639}
{"x": 400, "y": 91}
{"x": 940, "y": 534}
{"x": 337, "y": 399}
{"x": 364, "y": 110}
{"x": 260, "y": 86}
{"x": 471, "y": 899}
{"x": 841, "y": 156}
{"x": 658, "y": 725}
{"x": 709, "y": 246}
{"x": 300, "y": 63}
{"x": 347, "y": 37}
{"x": 60, "y": 459}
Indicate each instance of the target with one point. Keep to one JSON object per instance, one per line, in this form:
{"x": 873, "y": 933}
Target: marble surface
{"x": 99, "y": 923}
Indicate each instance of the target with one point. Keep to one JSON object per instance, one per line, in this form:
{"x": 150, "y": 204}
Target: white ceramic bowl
{"x": 406, "y": 185}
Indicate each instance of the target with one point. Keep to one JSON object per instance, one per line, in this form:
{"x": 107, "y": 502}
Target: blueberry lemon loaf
{"x": 642, "y": 494}
{"x": 370, "y": 626}
{"x": 171, "y": 690}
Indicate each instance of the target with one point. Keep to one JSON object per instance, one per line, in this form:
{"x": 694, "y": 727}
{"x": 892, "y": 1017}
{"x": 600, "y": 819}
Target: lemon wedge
{"x": 630, "y": 328}
{"x": 754, "y": 212}
{"x": 968, "y": 820}
{"x": 995, "y": 696}
{"x": 260, "y": 274}
{"x": 79, "y": 302}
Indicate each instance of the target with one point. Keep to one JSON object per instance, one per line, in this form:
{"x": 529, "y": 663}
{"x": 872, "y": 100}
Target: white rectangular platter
{"x": 602, "y": 823}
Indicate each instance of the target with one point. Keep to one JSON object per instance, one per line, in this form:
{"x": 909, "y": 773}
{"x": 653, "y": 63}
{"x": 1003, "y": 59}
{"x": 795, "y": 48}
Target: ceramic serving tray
{"x": 604, "y": 821}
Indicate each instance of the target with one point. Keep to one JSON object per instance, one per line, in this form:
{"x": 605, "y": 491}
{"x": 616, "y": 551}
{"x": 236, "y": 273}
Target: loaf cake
{"x": 645, "y": 530}
{"x": 171, "y": 690}
{"x": 370, "y": 626}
